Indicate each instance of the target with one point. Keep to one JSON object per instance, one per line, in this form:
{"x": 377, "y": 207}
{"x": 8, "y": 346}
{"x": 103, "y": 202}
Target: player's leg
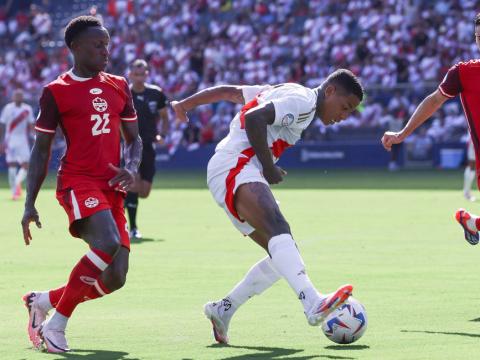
{"x": 469, "y": 176}
{"x": 100, "y": 232}
{"x": 12, "y": 174}
{"x": 260, "y": 277}
{"x": 141, "y": 188}
{"x": 21, "y": 175}
{"x": 255, "y": 203}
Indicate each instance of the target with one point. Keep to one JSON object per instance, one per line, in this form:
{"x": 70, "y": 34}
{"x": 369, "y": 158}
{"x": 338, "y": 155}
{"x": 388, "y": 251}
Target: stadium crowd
{"x": 399, "y": 48}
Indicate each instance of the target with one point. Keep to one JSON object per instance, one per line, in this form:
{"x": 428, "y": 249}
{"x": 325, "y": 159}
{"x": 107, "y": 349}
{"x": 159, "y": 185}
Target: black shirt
{"x": 148, "y": 103}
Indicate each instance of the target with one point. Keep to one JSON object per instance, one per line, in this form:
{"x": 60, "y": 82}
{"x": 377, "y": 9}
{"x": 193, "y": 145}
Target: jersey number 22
{"x": 100, "y": 126}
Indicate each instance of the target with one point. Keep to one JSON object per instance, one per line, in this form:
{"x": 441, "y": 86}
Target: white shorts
{"x": 225, "y": 173}
{"x": 17, "y": 153}
{"x": 470, "y": 151}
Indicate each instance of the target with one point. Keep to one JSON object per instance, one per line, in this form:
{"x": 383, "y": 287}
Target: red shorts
{"x": 84, "y": 200}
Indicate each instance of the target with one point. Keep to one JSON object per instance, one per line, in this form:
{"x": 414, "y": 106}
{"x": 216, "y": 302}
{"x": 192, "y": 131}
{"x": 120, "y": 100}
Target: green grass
{"x": 391, "y": 235}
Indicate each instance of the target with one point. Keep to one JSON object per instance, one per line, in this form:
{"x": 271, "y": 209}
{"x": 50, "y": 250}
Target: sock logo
{"x": 88, "y": 280}
{"x": 302, "y": 272}
{"x": 301, "y": 296}
{"x": 227, "y": 304}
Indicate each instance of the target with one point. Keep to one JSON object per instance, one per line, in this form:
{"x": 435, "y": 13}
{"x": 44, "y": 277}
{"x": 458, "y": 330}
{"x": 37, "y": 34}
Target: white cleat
{"x": 328, "y": 303}
{"x": 54, "y": 340}
{"x": 218, "y": 313}
{"x": 36, "y": 316}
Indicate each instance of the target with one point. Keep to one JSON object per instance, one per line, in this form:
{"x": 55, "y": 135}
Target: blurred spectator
{"x": 191, "y": 44}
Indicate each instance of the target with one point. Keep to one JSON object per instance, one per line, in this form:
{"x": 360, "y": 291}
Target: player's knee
{"x": 111, "y": 242}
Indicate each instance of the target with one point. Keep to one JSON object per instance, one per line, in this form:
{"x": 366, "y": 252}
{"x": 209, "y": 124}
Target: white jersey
{"x": 295, "y": 107}
{"x": 16, "y": 120}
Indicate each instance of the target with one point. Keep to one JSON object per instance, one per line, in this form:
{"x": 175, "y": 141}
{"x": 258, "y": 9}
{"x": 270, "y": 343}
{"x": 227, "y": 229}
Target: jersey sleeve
{"x": 3, "y": 115}
{"x": 161, "y": 100}
{"x": 30, "y": 118}
{"x": 48, "y": 116}
{"x": 451, "y": 85}
{"x": 128, "y": 113}
{"x": 286, "y": 111}
{"x": 250, "y": 92}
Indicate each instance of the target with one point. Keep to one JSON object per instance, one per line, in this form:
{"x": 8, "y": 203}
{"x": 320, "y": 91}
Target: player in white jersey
{"x": 16, "y": 127}
{"x": 239, "y": 174}
{"x": 470, "y": 173}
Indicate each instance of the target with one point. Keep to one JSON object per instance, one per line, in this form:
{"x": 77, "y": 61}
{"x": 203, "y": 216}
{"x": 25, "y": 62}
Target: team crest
{"x": 91, "y": 202}
{"x": 99, "y": 104}
{"x": 95, "y": 91}
{"x": 287, "y": 120}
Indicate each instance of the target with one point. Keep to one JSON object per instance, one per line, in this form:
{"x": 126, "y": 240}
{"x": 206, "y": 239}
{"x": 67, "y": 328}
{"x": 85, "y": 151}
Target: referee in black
{"x": 151, "y": 105}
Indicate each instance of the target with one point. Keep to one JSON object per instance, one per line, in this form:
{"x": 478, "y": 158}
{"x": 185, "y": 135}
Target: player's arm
{"x": 132, "y": 155}
{"x": 210, "y": 95}
{"x": 422, "y": 113}
{"x": 256, "y": 122}
{"x": 2, "y": 137}
{"x": 36, "y": 175}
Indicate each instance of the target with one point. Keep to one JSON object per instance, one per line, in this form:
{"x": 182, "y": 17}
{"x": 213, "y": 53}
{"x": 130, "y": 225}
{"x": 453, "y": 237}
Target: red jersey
{"x": 89, "y": 111}
{"x": 464, "y": 79}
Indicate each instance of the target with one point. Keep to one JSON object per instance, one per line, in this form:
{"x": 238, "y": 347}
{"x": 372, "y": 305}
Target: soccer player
{"x": 93, "y": 108}
{"x": 151, "y": 105}
{"x": 242, "y": 169}
{"x": 470, "y": 172}
{"x": 16, "y": 126}
{"x": 461, "y": 79}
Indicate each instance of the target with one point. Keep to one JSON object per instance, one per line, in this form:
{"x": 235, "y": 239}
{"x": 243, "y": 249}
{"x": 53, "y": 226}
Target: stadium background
{"x": 399, "y": 49}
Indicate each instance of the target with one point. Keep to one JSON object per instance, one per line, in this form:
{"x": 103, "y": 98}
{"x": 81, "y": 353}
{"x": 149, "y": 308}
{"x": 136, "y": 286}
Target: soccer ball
{"x": 346, "y": 324}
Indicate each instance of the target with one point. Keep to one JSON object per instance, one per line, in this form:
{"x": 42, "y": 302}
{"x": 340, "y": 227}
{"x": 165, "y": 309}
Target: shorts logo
{"x": 96, "y": 91}
{"x": 287, "y": 120}
{"x": 99, "y": 104}
{"x": 87, "y": 280}
{"x": 91, "y": 202}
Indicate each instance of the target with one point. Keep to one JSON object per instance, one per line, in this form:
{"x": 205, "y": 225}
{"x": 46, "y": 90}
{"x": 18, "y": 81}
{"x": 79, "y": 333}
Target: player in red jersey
{"x": 92, "y": 108}
{"x": 462, "y": 79}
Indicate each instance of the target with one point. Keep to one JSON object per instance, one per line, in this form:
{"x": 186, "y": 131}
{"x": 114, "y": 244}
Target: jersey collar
{"x": 75, "y": 77}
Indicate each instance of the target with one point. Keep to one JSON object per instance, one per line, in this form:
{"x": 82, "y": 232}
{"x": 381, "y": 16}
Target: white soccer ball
{"x": 346, "y": 324}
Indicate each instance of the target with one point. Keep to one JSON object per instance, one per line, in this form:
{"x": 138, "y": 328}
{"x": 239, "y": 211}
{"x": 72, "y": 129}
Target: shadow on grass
{"x": 347, "y": 347}
{"x": 145, "y": 240}
{"x": 476, "y": 320}
{"x": 443, "y": 333}
{"x": 273, "y": 353}
{"x": 94, "y": 354}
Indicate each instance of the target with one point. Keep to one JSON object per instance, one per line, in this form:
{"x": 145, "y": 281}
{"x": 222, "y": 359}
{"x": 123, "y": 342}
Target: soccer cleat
{"x": 36, "y": 315}
{"x": 462, "y": 216}
{"x": 135, "y": 234}
{"x": 54, "y": 340}
{"x": 327, "y": 303}
{"x": 217, "y": 313}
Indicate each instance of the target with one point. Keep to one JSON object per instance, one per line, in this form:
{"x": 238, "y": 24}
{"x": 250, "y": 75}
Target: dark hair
{"x": 138, "y": 63}
{"x": 477, "y": 19}
{"x": 347, "y": 81}
{"x": 77, "y": 25}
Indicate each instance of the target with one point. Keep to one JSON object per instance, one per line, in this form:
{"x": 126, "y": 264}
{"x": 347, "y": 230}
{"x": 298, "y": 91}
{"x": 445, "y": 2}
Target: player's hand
{"x": 391, "y": 138}
{"x": 180, "y": 112}
{"x": 29, "y": 215}
{"x": 124, "y": 179}
{"x": 274, "y": 174}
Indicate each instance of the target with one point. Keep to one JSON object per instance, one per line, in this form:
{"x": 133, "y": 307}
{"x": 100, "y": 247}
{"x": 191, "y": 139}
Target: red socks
{"x": 82, "y": 281}
{"x": 97, "y": 290}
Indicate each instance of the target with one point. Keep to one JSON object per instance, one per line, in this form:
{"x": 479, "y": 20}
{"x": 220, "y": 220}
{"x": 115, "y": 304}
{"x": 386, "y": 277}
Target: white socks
{"x": 57, "y": 321}
{"x": 260, "y": 277}
{"x": 468, "y": 177}
{"x": 21, "y": 175}
{"x": 289, "y": 263}
{"x": 12, "y": 174}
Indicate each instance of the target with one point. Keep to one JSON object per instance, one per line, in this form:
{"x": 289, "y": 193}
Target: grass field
{"x": 392, "y": 236}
